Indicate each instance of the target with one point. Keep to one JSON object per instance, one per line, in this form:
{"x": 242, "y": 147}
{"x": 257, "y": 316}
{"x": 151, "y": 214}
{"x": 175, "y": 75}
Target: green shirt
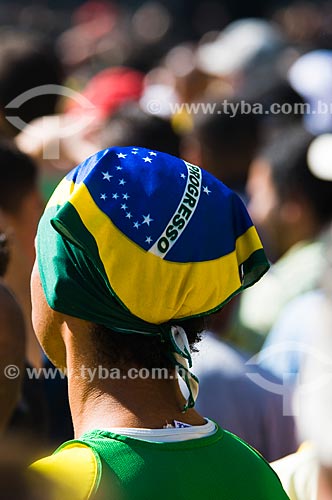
{"x": 216, "y": 467}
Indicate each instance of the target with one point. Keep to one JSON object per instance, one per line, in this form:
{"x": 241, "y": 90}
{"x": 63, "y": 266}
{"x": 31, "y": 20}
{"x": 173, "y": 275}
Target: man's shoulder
{"x": 251, "y": 464}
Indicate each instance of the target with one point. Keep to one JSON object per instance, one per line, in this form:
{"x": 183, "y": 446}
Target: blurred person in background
{"x": 231, "y": 131}
{"x": 307, "y": 474}
{"x": 26, "y": 63}
{"x": 311, "y": 77}
{"x": 239, "y": 49}
{"x": 12, "y": 344}
{"x": 20, "y": 208}
{"x": 31, "y": 75}
{"x": 21, "y": 205}
{"x": 273, "y": 93}
{"x": 190, "y": 83}
{"x": 291, "y": 207}
{"x": 225, "y": 143}
{"x": 292, "y": 334}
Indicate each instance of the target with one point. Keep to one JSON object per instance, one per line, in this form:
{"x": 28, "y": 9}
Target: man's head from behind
{"x": 287, "y": 201}
{"x": 117, "y": 254}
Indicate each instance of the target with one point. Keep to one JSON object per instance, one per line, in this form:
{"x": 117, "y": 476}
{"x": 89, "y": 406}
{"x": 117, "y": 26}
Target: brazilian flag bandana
{"x": 138, "y": 240}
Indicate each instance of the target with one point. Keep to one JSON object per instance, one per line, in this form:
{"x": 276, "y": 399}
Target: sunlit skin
{"x": 102, "y": 403}
{"x": 47, "y": 324}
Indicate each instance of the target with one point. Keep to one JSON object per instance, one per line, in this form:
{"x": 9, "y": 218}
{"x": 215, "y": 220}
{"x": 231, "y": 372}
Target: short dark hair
{"x": 131, "y": 126}
{"x": 227, "y": 142}
{"x": 18, "y": 177}
{"x": 222, "y": 128}
{"x": 123, "y": 350}
{"x": 270, "y": 90}
{"x": 286, "y": 155}
{"x": 27, "y": 61}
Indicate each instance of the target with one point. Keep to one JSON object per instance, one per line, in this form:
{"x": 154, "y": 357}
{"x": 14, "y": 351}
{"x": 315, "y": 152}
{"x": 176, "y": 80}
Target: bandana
{"x": 138, "y": 241}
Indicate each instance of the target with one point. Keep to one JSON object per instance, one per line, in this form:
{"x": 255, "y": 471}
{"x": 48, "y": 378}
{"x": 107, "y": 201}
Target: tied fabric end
{"x": 180, "y": 343}
{"x": 182, "y": 359}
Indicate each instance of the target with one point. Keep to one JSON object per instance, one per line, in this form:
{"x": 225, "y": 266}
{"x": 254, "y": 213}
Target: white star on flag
{"x": 103, "y": 196}
{"x": 122, "y": 182}
{"x": 147, "y": 159}
{"x": 183, "y": 176}
{"x": 136, "y": 225}
{"x": 135, "y": 149}
{"x": 152, "y": 153}
{"x": 115, "y": 196}
{"x": 134, "y": 152}
{"x": 118, "y": 167}
{"x": 147, "y": 219}
{"x": 129, "y": 216}
{"x": 206, "y": 190}
{"x": 124, "y": 206}
{"x": 125, "y": 196}
{"x": 148, "y": 239}
{"x": 120, "y": 155}
{"x": 107, "y": 176}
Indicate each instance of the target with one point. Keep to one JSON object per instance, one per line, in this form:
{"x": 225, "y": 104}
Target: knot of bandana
{"x": 182, "y": 360}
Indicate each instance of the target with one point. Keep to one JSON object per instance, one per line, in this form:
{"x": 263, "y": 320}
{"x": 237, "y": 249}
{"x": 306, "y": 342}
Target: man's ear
{"x": 47, "y": 323}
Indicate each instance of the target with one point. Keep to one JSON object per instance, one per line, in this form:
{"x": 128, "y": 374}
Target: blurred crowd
{"x": 248, "y": 99}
